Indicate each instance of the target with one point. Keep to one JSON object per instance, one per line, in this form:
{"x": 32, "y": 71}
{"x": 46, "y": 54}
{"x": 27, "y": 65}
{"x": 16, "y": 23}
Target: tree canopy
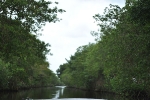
{"x": 31, "y": 14}
{"x": 22, "y": 55}
{"x": 119, "y": 60}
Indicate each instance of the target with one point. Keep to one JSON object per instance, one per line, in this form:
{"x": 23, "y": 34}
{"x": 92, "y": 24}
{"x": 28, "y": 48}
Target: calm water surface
{"x": 59, "y": 92}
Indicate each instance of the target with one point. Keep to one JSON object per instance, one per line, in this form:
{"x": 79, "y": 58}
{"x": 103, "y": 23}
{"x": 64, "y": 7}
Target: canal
{"x": 59, "y": 92}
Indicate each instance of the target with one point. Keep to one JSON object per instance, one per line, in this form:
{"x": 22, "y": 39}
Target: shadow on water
{"x": 60, "y": 92}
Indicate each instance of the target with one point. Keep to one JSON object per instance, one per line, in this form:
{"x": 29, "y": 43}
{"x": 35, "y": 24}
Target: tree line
{"x": 22, "y": 55}
{"x": 119, "y": 60}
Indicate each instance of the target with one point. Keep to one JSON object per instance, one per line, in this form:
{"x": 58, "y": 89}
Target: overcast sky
{"x": 74, "y": 28}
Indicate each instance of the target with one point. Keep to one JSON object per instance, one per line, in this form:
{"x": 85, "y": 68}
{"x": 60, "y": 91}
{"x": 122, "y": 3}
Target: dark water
{"x": 60, "y": 92}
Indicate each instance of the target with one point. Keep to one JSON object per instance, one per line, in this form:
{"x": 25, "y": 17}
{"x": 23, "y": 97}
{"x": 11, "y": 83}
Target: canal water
{"x": 59, "y": 92}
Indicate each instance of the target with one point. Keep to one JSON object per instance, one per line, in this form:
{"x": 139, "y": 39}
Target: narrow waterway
{"x": 59, "y": 92}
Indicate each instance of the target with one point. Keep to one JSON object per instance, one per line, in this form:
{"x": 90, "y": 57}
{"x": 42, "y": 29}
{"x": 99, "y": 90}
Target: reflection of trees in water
{"x": 62, "y": 90}
{"x": 73, "y": 93}
{"x": 56, "y": 95}
{"x": 89, "y": 95}
{"x": 59, "y": 92}
{"x": 35, "y": 93}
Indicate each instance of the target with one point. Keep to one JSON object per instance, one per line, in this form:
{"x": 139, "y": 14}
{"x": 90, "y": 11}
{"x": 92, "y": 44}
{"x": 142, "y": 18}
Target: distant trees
{"x": 119, "y": 60}
{"x": 22, "y": 54}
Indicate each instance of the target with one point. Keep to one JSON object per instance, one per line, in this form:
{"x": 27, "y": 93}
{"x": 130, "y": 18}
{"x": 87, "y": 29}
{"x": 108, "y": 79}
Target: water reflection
{"x": 56, "y": 95}
{"x": 59, "y": 92}
{"x": 62, "y": 93}
{"x": 76, "y": 94}
{"x": 61, "y": 89}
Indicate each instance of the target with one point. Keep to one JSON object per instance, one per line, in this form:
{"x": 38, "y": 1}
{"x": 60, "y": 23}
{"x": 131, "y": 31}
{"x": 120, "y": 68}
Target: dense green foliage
{"x": 22, "y": 55}
{"x": 119, "y": 60}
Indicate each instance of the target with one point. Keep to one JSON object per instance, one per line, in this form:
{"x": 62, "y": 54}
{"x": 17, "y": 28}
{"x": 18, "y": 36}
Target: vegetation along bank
{"x": 22, "y": 55}
{"x": 119, "y": 61}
